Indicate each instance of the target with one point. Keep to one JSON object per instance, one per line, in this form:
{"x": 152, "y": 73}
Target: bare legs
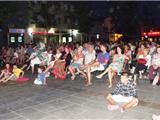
{"x": 72, "y": 71}
{"x": 132, "y": 103}
{"x": 110, "y": 100}
{"x": 110, "y": 76}
{"x": 88, "y": 72}
{"x": 48, "y": 68}
{"x": 103, "y": 73}
{"x": 2, "y": 74}
{"x": 6, "y": 79}
{"x": 110, "y": 72}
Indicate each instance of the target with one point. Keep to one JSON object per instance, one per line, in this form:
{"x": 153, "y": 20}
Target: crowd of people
{"x": 126, "y": 60}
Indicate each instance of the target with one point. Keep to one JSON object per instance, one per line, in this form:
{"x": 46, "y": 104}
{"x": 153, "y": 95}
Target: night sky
{"x": 99, "y": 10}
{"x": 125, "y": 14}
{"x": 103, "y": 9}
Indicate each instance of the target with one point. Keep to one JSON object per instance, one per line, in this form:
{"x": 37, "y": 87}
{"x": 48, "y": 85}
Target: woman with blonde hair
{"x": 78, "y": 58}
{"x": 115, "y": 67}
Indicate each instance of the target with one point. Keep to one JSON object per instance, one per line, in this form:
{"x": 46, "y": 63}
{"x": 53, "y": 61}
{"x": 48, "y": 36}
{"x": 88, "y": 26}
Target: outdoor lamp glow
{"x": 51, "y": 31}
{"x": 75, "y": 32}
{"x": 97, "y": 36}
{"x": 70, "y": 39}
{"x": 30, "y": 30}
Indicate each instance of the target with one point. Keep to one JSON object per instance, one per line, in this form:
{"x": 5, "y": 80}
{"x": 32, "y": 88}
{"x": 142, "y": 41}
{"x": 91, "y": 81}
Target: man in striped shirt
{"x": 124, "y": 96}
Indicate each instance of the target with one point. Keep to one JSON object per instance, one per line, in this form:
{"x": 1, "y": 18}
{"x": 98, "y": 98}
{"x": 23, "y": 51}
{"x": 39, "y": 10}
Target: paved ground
{"x": 71, "y": 100}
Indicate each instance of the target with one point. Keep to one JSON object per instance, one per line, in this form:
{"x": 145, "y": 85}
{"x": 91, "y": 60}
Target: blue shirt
{"x": 41, "y": 76}
{"x": 103, "y": 57}
{"x": 29, "y": 51}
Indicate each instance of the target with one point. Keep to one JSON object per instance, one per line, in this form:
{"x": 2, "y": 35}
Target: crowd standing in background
{"x": 62, "y": 60}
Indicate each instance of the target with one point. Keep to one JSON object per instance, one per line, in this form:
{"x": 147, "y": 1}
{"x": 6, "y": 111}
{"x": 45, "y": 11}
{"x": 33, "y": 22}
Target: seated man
{"x": 99, "y": 64}
{"x": 155, "y": 66}
{"x": 124, "y": 96}
{"x": 89, "y": 57}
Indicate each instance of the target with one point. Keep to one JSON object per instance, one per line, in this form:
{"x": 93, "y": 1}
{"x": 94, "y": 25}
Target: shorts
{"x": 123, "y": 99}
{"x": 76, "y": 65}
{"x": 98, "y": 68}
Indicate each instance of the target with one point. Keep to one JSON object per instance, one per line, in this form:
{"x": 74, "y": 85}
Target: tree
{"x": 12, "y": 15}
{"x": 83, "y": 16}
{"x": 48, "y": 14}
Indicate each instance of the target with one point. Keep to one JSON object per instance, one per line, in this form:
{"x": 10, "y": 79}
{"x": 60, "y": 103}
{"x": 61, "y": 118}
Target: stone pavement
{"x": 68, "y": 99}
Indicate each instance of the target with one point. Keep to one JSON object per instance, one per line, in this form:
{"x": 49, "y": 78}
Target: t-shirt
{"x": 89, "y": 57}
{"x": 103, "y": 57}
{"x": 17, "y": 72}
{"x": 30, "y": 51}
{"x": 41, "y": 76}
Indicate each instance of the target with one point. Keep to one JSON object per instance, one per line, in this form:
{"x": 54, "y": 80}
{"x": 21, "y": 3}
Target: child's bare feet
{"x": 121, "y": 109}
{"x": 112, "y": 107}
{"x": 73, "y": 77}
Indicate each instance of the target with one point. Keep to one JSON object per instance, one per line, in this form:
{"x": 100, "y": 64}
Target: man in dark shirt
{"x": 125, "y": 93}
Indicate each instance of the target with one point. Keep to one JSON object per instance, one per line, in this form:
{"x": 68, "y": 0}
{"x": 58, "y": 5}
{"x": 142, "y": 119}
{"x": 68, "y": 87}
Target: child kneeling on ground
{"x": 41, "y": 79}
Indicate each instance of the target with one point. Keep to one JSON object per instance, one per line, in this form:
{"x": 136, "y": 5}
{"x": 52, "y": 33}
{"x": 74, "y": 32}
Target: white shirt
{"x": 89, "y": 57}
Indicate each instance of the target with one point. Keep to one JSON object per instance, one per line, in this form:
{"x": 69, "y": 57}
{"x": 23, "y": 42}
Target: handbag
{"x": 141, "y": 61}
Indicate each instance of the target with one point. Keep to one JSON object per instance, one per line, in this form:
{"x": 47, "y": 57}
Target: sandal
{"x": 88, "y": 84}
{"x": 73, "y": 77}
{"x": 99, "y": 76}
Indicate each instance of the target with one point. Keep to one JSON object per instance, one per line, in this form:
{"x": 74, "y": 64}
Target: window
{"x": 70, "y": 39}
{"x": 12, "y": 39}
{"x": 64, "y": 39}
{"x": 19, "y": 39}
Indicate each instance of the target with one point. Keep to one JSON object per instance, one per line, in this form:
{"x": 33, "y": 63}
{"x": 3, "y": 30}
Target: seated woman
{"x": 60, "y": 65}
{"x": 143, "y": 62}
{"x": 78, "y": 58}
{"x": 128, "y": 53}
{"x": 53, "y": 59}
{"x": 99, "y": 64}
{"x": 38, "y": 58}
{"x": 16, "y": 73}
{"x": 155, "y": 66}
{"x": 6, "y": 72}
{"x": 139, "y": 52}
{"x": 115, "y": 66}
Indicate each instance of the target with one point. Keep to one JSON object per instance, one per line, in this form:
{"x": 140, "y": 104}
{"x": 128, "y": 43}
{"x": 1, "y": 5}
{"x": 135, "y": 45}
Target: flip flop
{"x": 98, "y": 76}
{"x": 112, "y": 107}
